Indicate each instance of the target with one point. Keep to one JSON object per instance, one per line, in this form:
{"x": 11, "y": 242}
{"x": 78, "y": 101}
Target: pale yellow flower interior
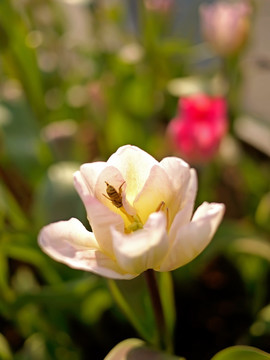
{"x": 134, "y": 220}
{"x": 141, "y": 186}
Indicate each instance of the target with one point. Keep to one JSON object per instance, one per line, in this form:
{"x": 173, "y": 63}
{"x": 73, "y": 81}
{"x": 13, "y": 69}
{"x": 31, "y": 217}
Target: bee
{"x": 113, "y": 195}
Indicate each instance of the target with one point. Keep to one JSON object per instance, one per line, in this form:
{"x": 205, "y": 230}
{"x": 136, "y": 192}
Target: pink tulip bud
{"x": 159, "y": 5}
{"x": 197, "y": 130}
{"x": 225, "y": 25}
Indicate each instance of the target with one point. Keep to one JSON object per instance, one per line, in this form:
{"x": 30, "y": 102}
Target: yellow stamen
{"x": 116, "y": 199}
{"x": 161, "y": 206}
{"x": 135, "y": 221}
{"x": 130, "y": 217}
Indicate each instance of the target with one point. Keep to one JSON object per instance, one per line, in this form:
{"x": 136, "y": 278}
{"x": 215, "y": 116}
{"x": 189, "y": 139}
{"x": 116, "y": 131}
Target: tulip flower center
{"x": 133, "y": 222}
{"x": 115, "y": 196}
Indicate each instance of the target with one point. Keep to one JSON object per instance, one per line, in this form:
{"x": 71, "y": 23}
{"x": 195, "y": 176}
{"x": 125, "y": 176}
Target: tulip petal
{"x": 182, "y": 178}
{"x": 176, "y": 169}
{"x": 70, "y": 243}
{"x": 114, "y": 178}
{"x": 182, "y": 218}
{"x": 71, "y": 230}
{"x": 134, "y": 165}
{"x": 183, "y": 185}
{"x": 143, "y": 249}
{"x": 187, "y": 204}
{"x": 90, "y": 173}
{"x": 192, "y": 238}
{"x": 99, "y": 216}
{"x": 156, "y": 189}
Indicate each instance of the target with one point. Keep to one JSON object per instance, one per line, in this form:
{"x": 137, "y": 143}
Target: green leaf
{"x": 5, "y": 291}
{"x": 22, "y": 157}
{"x": 23, "y": 252}
{"x": 62, "y": 295}
{"x": 9, "y": 209}
{"x": 121, "y": 129}
{"x": 241, "y": 352}
{"x": 253, "y": 246}
{"x": 19, "y": 59}
{"x": 263, "y": 212}
{"x": 5, "y": 353}
{"x": 135, "y": 349}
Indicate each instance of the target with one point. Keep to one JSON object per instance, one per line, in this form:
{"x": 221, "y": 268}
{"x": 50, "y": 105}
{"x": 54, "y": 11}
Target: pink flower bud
{"x": 197, "y": 130}
{"x": 225, "y": 25}
{"x": 159, "y": 5}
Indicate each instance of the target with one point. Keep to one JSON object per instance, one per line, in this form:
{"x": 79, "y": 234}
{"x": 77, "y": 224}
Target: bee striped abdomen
{"x": 113, "y": 195}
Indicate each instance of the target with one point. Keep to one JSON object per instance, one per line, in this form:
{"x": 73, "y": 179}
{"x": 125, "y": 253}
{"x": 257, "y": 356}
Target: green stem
{"x": 232, "y": 76}
{"x": 127, "y": 310}
{"x": 157, "y": 307}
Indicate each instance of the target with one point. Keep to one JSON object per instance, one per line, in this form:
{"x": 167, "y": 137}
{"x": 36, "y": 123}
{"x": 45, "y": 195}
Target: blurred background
{"x": 79, "y": 78}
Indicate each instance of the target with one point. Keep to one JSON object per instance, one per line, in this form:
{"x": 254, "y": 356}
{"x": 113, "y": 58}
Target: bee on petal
{"x": 113, "y": 195}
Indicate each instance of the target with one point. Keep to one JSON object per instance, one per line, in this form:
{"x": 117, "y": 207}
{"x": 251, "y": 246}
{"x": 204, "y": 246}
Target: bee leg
{"x": 107, "y": 197}
{"x": 120, "y": 188}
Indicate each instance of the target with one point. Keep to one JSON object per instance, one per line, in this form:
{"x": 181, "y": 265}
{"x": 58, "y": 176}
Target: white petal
{"x": 134, "y": 165}
{"x": 100, "y": 217}
{"x": 80, "y": 184}
{"x": 68, "y": 231}
{"x": 113, "y": 177}
{"x": 183, "y": 182}
{"x": 192, "y": 238}
{"x": 70, "y": 243}
{"x": 156, "y": 189}
{"x": 90, "y": 173}
{"x": 190, "y": 191}
{"x": 183, "y": 216}
{"x": 143, "y": 249}
{"x": 176, "y": 169}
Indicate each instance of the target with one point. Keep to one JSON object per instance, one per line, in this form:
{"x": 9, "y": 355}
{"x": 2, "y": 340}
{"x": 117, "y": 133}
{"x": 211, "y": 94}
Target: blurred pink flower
{"x": 159, "y": 5}
{"x": 225, "y": 25}
{"x": 197, "y": 130}
{"x": 140, "y": 211}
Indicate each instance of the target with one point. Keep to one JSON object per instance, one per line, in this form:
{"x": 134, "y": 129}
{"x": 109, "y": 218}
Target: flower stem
{"x": 157, "y": 307}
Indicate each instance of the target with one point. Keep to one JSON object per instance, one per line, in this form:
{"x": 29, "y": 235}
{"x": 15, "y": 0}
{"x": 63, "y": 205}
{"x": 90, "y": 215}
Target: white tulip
{"x": 140, "y": 211}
